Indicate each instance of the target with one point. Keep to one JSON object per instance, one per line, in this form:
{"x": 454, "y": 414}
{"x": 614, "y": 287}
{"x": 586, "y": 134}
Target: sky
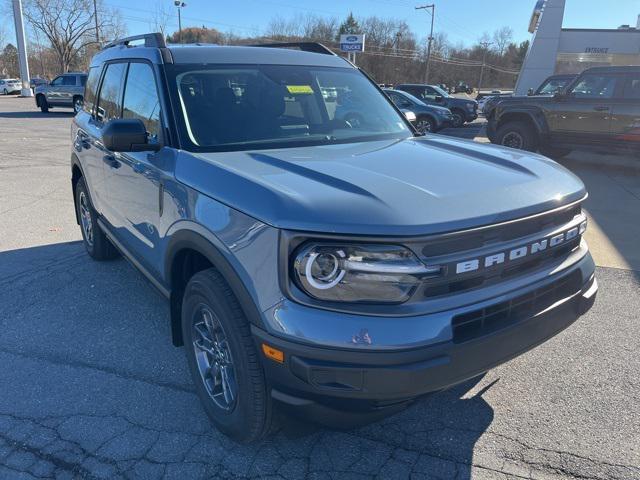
{"x": 463, "y": 20}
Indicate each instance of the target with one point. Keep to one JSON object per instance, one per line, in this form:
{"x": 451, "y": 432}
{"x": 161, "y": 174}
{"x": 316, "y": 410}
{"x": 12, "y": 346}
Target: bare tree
{"x": 161, "y": 19}
{"x": 502, "y": 38}
{"x": 69, "y": 25}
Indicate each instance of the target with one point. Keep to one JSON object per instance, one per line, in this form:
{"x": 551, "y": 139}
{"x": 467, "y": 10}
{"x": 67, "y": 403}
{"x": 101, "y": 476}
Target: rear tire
{"x": 212, "y": 317}
{"x": 517, "y": 135}
{"x": 95, "y": 241}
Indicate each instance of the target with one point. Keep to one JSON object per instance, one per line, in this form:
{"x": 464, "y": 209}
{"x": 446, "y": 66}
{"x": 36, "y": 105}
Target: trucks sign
{"x": 352, "y": 42}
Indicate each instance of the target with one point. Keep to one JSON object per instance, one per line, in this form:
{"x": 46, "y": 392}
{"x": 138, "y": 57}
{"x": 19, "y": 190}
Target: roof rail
{"x": 313, "y": 47}
{"x": 150, "y": 40}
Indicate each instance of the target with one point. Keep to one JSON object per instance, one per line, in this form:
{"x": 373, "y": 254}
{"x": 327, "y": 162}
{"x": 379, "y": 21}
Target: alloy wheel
{"x": 513, "y": 140}
{"x": 213, "y": 358}
{"x": 85, "y": 219}
{"x": 424, "y": 126}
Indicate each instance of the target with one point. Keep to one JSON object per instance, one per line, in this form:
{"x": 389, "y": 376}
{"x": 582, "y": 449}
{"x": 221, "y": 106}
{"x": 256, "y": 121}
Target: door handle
{"x": 111, "y": 161}
{"x": 601, "y": 108}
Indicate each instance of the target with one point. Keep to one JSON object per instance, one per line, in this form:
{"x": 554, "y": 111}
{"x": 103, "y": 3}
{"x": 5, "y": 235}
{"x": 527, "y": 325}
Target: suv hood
{"x": 416, "y": 186}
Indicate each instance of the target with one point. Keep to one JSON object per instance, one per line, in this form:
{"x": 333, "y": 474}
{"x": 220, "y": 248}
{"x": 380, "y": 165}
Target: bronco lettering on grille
{"x": 498, "y": 258}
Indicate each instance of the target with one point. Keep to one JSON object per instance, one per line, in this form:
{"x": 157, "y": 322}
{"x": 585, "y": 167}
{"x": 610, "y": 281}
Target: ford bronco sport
{"x": 340, "y": 270}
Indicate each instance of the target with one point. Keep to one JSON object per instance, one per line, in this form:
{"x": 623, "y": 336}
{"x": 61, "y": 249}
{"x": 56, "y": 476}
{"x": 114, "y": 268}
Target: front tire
{"x": 425, "y": 125}
{"x": 223, "y": 359}
{"x": 458, "y": 118}
{"x": 518, "y": 135}
{"x": 43, "y": 104}
{"x": 77, "y": 104}
{"x": 95, "y": 241}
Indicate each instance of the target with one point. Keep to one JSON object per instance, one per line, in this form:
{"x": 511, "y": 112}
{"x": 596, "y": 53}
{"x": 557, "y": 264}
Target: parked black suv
{"x": 600, "y": 108}
{"x": 463, "y": 110}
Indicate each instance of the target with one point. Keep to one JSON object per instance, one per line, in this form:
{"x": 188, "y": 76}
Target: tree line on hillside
{"x": 62, "y": 37}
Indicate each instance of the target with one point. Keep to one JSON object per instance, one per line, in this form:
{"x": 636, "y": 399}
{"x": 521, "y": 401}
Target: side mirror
{"x": 127, "y": 135}
{"x": 530, "y": 92}
{"x": 439, "y": 98}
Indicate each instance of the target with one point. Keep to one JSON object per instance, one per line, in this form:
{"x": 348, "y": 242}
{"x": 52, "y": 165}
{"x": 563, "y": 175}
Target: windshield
{"x": 440, "y": 90}
{"x": 240, "y": 107}
{"x": 552, "y": 86}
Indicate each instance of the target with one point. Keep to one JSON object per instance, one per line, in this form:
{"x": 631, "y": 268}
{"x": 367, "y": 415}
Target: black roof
{"x": 156, "y": 50}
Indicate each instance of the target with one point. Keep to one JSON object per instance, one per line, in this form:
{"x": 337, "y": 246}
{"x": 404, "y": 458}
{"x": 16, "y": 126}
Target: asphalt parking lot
{"x": 92, "y": 388}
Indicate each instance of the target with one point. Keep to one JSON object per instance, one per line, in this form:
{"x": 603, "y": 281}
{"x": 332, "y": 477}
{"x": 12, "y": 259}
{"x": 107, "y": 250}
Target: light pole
{"x": 95, "y": 17}
{"x": 484, "y": 45}
{"x": 433, "y": 16}
{"x": 22, "y": 49}
{"x": 180, "y": 5}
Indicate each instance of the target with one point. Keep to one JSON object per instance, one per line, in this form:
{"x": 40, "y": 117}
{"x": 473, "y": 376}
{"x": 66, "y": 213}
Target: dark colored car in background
{"x": 429, "y": 118}
{"x": 600, "y": 109}
{"x": 463, "y": 110}
{"x": 463, "y": 88}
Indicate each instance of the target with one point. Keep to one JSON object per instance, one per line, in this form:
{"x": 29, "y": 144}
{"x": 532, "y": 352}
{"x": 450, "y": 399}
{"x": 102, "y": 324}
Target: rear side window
{"x": 632, "y": 88}
{"x": 91, "y": 90}
{"x": 111, "y": 92}
{"x": 141, "y": 98}
{"x": 69, "y": 81}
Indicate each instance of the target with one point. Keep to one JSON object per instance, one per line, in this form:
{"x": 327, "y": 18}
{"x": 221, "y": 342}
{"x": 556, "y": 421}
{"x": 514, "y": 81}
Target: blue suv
{"x": 339, "y": 270}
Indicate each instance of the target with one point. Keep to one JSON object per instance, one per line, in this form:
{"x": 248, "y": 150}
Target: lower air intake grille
{"x": 481, "y": 322}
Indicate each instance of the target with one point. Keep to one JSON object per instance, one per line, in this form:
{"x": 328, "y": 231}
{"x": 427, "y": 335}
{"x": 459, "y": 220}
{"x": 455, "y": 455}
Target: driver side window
{"x": 594, "y": 86}
{"x": 57, "y": 81}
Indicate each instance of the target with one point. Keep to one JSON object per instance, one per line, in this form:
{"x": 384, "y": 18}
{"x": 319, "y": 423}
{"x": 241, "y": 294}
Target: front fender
{"x": 533, "y": 114}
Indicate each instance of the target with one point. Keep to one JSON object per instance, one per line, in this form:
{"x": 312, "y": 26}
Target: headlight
{"x": 359, "y": 273}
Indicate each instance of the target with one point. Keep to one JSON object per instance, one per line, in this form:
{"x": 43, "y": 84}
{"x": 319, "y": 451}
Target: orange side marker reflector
{"x": 272, "y": 353}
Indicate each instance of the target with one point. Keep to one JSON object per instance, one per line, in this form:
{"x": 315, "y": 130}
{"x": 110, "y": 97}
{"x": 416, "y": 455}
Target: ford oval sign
{"x": 352, "y": 42}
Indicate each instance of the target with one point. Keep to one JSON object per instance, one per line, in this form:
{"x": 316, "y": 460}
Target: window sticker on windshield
{"x": 300, "y": 89}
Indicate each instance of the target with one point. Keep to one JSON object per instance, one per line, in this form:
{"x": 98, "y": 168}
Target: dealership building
{"x": 556, "y": 50}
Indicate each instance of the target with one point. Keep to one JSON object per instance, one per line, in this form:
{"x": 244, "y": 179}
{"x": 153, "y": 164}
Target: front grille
{"x": 485, "y": 278}
{"x": 487, "y": 320}
{"x": 455, "y": 243}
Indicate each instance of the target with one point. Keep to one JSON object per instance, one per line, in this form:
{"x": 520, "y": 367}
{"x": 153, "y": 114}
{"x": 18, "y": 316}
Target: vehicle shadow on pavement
{"x": 613, "y": 207}
{"x": 36, "y": 114}
{"x": 88, "y": 364}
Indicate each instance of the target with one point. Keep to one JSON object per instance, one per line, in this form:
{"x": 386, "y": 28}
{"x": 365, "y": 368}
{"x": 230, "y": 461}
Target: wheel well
{"x": 186, "y": 263}
{"x": 76, "y": 174}
{"x": 517, "y": 117}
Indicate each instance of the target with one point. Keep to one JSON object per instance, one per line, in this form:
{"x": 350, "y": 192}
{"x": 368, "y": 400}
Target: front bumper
{"x": 343, "y": 388}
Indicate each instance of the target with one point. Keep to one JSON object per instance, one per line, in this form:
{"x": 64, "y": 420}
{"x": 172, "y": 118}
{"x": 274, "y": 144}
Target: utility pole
{"x": 484, "y": 45}
{"x": 433, "y": 16}
{"x": 22, "y": 49}
{"x": 95, "y": 18}
{"x": 180, "y": 5}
